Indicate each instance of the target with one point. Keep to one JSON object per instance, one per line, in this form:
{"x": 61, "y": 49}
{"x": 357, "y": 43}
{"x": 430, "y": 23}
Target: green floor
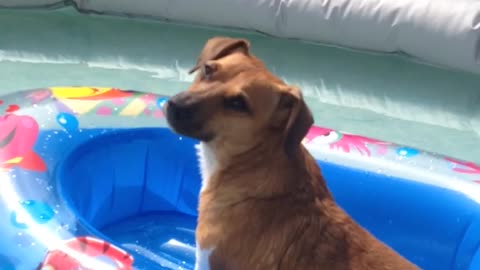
{"x": 385, "y": 97}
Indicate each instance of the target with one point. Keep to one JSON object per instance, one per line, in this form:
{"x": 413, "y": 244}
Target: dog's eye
{"x": 208, "y": 71}
{"x": 237, "y": 103}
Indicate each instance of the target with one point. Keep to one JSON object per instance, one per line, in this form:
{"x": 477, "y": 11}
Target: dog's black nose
{"x": 177, "y": 112}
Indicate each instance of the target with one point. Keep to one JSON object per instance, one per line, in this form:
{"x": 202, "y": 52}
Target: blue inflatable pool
{"x": 93, "y": 178}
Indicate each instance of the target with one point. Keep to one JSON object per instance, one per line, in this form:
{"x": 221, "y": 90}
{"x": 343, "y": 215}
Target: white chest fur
{"x": 208, "y": 164}
{"x": 202, "y": 259}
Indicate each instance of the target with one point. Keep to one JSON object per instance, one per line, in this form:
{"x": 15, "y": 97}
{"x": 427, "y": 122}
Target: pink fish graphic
{"x": 465, "y": 167}
{"x": 343, "y": 141}
{"x": 17, "y": 138}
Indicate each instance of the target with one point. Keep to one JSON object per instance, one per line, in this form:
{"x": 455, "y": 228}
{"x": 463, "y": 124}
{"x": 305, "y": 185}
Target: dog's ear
{"x": 298, "y": 122}
{"x": 218, "y": 47}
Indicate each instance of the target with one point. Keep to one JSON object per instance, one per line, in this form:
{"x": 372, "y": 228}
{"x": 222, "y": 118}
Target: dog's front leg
{"x": 202, "y": 258}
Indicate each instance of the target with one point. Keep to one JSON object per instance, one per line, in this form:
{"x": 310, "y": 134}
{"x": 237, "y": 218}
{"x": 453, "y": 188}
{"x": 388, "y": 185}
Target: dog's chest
{"x": 202, "y": 259}
{"x": 207, "y": 162}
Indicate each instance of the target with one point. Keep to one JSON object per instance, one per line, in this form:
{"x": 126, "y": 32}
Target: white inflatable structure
{"x": 440, "y": 32}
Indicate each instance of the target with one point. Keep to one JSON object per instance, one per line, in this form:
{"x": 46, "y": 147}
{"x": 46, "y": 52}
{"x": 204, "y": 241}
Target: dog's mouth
{"x": 185, "y": 122}
{"x": 191, "y": 129}
{"x": 194, "y": 131}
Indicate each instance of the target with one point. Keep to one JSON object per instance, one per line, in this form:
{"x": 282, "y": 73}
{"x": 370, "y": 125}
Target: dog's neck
{"x": 246, "y": 174}
{"x": 208, "y": 163}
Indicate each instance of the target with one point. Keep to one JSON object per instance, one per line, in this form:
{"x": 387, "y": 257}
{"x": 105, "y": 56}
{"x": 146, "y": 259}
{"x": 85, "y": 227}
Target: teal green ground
{"x": 386, "y": 97}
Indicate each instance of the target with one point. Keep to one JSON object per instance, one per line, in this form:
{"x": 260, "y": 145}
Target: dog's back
{"x": 302, "y": 229}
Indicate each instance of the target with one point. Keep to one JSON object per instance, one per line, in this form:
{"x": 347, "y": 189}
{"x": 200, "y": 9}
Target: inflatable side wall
{"x": 440, "y": 32}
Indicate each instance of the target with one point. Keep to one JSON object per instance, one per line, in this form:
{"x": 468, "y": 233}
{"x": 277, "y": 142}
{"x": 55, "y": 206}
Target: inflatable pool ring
{"x": 88, "y": 246}
{"x": 93, "y": 178}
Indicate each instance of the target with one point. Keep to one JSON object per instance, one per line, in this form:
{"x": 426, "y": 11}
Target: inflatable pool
{"x": 94, "y": 178}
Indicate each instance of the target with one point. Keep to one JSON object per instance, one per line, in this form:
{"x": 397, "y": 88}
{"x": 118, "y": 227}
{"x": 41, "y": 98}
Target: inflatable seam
{"x": 475, "y": 116}
{"x": 280, "y": 15}
{"x": 464, "y": 233}
{"x": 47, "y": 5}
{"x": 145, "y": 181}
{"x": 469, "y": 244}
{"x": 476, "y": 29}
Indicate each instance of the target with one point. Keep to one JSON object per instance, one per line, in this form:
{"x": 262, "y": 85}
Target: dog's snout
{"x": 182, "y": 107}
{"x": 179, "y": 112}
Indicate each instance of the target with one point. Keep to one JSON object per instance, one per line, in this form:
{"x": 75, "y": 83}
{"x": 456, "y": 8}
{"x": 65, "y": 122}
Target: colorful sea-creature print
{"x": 12, "y": 108}
{"x": 68, "y": 121}
{"x": 39, "y": 95}
{"x": 88, "y": 93}
{"x": 105, "y": 101}
{"x": 407, "y": 152}
{"x": 40, "y": 212}
{"x": 8, "y": 108}
{"x": 465, "y": 167}
{"x": 343, "y": 141}
{"x": 18, "y": 134}
{"x": 60, "y": 259}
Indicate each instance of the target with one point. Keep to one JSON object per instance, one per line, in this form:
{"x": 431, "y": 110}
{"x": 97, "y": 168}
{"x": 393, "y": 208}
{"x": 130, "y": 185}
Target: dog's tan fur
{"x": 266, "y": 205}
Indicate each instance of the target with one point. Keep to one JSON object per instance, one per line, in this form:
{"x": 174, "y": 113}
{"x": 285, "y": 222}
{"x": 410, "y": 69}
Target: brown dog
{"x": 263, "y": 202}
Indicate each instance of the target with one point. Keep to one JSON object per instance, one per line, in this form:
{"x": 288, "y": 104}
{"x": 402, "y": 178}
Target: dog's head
{"x": 236, "y": 102}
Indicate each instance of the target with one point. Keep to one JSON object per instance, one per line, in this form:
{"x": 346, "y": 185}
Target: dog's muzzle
{"x": 178, "y": 113}
{"x": 181, "y": 108}
{"x": 182, "y": 113}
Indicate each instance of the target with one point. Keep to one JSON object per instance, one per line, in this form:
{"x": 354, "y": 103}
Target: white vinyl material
{"x": 28, "y": 3}
{"x": 440, "y": 32}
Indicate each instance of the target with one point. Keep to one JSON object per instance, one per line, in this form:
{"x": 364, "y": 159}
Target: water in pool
{"x": 382, "y": 96}
{"x": 165, "y": 239}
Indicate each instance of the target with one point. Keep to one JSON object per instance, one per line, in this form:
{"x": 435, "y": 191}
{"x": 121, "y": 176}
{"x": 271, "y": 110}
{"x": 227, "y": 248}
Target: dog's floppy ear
{"x": 299, "y": 120}
{"x": 218, "y": 47}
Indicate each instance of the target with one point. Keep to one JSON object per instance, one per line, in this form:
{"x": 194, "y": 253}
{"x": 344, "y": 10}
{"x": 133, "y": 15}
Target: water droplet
{"x": 68, "y": 121}
{"x": 407, "y": 152}
{"x": 161, "y": 102}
